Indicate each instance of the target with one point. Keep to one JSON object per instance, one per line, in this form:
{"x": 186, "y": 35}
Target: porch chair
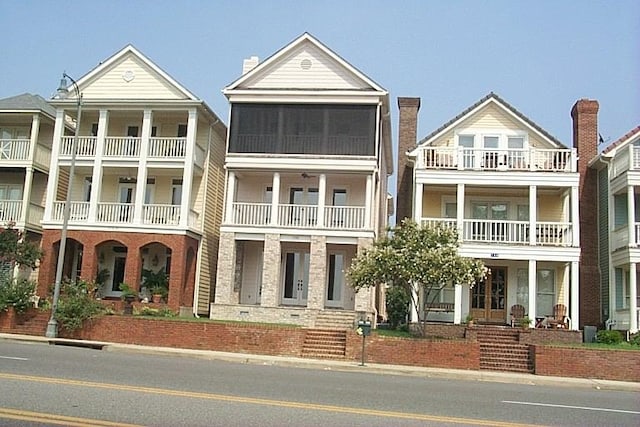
{"x": 559, "y": 319}
{"x": 517, "y": 314}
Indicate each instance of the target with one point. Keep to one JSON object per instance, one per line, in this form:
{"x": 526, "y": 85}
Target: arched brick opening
{"x": 71, "y": 268}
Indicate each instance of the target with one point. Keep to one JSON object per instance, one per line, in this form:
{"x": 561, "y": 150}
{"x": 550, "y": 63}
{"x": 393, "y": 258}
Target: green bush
{"x": 16, "y": 293}
{"x": 77, "y": 304}
{"x": 609, "y": 337}
{"x": 397, "y": 306}
{"x": 635, "y": 339}
{"x": 155, "y": 312}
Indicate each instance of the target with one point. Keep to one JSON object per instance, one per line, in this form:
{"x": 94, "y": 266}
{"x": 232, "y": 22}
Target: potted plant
{"x": 157, "y": 282}
{"x": 525, "y": 322}
{"x": 128, "y": 295}
{"x": 469, "y": 320}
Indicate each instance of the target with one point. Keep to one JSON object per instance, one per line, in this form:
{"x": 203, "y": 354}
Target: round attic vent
{"x": 305, "y": 64}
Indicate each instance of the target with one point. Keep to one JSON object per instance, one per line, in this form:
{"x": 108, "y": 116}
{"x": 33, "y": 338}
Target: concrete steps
{"x": 325, "y": 344}
{"x": 500, "y": 350}
{"x": 335, "y": 319}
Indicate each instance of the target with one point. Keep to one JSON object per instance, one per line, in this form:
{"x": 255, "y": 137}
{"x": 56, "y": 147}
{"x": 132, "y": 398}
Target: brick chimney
{"x": 585, "y": 140}
{"x": 407, "y": 134}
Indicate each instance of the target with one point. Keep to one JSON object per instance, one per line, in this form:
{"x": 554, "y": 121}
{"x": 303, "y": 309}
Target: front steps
{"x": 324, "y": 344}
{"x": 335, "y": 319}
{"x": 500, "y": 350}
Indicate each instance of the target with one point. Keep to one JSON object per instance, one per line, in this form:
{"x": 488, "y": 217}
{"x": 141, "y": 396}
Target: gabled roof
{"x": 623, "y": 140}
{"x": 27, "y": 102}
{"x": 283, "y": 52}
{"x": 121, "y": 55}
{"x": 484, "y": 101}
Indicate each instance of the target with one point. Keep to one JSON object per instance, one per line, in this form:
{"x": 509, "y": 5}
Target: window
{"x": 132, "y": 131}
{"x": 450, "y": 210}
{"x": 522, "y": 288}
{"x": 182, "y": 130}
{"x": 620, "y": 216}
{"x": 87, "y": 189}
{"x": 467, "y": 142}
{"x": 176, "y": 192}
{"x": 149, "y": 190}
{"x": 94, "y": 129}
{"x": 545, "y": 292}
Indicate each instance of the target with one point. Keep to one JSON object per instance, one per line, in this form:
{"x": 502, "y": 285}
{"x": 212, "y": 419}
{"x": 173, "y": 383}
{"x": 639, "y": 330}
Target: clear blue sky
{"x": 540, "y": 56}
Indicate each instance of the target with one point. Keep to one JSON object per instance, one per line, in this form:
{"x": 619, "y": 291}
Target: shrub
{"x": 155, "y": 312}
{"x": 609, "y": 337}
{"x": 16, "y": 293}
{"x": 635, "y": 339}
{"x": 397, "y": 305}
{"x": 77, "y": 304}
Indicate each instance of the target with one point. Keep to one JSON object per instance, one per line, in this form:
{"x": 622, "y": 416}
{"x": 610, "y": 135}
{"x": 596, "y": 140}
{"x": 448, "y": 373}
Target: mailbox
{"x": 364, "y": 328}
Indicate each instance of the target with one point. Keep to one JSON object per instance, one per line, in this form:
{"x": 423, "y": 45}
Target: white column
{"x": 413, "y": 316}
{"x": 35, "y": 132}
{"x": 460, "y": 211}
{"x": 533, "y": 285}
{"x": 368, "y": 203}
{"x": 187, "y": 174}
{"x": 26, "y": 195}
{"x": 275, "y": 198}
{"x": 54, "y": 169}
{"x": 575, "y": 295}
{"x": 575, "y": 215}
{"x": 141, "y": 185}
{"x": 96, "y": 177}
{"x": 322, "y": 196}
{"x": 633, "y": 298}
{"x": 231, "y": 191}
{"x": 417, "y": 203}
{"x": 457, "y": 306}
{"x": 533, "y": 214}
{"x": 631, "y": 216}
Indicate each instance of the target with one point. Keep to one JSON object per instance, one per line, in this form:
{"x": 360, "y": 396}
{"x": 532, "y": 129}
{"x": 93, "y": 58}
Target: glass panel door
{"x": 296, "y": 278}
{"x": 335, "y": 280}
{"x": 488, "y": 298}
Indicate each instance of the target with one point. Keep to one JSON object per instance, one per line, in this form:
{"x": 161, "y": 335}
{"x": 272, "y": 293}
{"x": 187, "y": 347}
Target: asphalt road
{"x": 56, "y": 385}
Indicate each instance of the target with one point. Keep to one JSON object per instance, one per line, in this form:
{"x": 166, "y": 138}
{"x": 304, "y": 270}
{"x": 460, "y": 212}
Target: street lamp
{"x": 62, "y": 93}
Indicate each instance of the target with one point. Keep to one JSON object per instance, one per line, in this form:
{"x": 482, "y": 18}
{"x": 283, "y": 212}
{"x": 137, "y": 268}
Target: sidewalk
{"x": 339, "y": 365}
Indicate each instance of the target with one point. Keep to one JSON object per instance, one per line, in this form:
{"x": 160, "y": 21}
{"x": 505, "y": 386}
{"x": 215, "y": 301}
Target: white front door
{"x": 335, "y": 280}
{"x": 295, "y": 278}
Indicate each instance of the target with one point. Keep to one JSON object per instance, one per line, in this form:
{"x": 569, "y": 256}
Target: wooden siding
{"x": 324, "y": 73}
{"x": 549, "y": 208}
{"x": 211, "y": 219}
{"x": 146, "y": 84}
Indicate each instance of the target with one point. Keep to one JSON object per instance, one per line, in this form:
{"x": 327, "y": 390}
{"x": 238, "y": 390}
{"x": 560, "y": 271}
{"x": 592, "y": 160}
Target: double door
{"x": 296, "y": 278}
{"x": 488, "y": 298}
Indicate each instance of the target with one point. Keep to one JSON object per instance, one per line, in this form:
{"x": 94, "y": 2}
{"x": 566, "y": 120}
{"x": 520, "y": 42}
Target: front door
{"x": 335, "y": 280}
{"x": 488, "y": 297}
{"x": 119, "y": 265}
{"x": 126, "y": 198}
{"x": 296, "y": 278}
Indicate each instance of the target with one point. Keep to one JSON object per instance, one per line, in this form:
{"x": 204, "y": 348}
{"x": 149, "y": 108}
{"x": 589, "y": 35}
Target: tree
{"x": 421, "y": 260}
{"x": 16, "y": 250}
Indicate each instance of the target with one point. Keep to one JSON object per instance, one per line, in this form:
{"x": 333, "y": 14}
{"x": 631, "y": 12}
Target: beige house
{"x": 511, "y": 191}
{"x": 26, "y": 132}
{"x": 308, "y": 157}
{"x": 147, "y": 189}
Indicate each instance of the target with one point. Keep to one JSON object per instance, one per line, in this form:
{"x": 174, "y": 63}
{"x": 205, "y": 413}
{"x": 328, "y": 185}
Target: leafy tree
{"x": 16, "y": 250}
{"x": 420, "y": 260}
{"x": 397, "y": 306}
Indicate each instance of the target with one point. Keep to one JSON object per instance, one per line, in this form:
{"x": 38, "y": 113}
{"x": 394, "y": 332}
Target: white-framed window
{"x": 522, "y": 288}
{"x": 176, "y": 191}
{"x": 450, "y": 210}
{"x": 545, "y": 292}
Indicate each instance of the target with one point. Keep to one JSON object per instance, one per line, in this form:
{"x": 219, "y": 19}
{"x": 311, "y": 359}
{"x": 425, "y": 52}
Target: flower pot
{"x": 156, "y": 298}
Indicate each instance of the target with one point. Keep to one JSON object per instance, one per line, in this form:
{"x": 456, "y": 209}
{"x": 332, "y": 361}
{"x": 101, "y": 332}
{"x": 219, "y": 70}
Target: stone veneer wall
{"x": 256, "y": 313}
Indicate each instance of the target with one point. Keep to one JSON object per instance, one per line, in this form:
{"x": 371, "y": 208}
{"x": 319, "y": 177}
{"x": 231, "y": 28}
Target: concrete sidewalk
{"x": 340, "y": 365}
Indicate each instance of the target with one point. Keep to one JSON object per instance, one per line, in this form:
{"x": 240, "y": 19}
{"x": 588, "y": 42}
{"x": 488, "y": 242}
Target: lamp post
{"x": 62, "y": 93}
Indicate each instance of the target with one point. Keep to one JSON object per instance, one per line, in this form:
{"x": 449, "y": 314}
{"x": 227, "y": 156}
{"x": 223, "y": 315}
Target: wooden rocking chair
{"x": 517, "y": 314}
{"x": 559, "y": 319}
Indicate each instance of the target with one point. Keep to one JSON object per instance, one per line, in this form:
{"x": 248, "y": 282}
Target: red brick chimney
{"x": 585, "y": 140}
{"x": 407, "y": 134}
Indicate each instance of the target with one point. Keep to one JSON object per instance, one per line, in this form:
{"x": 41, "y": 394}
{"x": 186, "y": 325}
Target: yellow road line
{"x": 268, "y": 402}
{"x": 62, "y": 420}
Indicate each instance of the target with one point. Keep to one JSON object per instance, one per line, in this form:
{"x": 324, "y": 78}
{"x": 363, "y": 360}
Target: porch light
{"x": 62, "y": 93}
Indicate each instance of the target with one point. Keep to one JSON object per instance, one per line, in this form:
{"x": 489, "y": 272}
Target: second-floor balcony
{"x": 13, "y": 212}
{"x": 493, "y": 159}
{"x": 123, "y": 214}
{"x": 622, "y": 236}
{"x": 510, "y": 232}
{"x": 628, "y": 159}
{"x": 13, "y": 151}
{"x": 299, "y": 216}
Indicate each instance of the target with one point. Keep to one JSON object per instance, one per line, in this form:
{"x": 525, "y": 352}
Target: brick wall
{"x": 407, "y": 138}
{"x": 581, "y": 363}
{"x": 585, "y": 140}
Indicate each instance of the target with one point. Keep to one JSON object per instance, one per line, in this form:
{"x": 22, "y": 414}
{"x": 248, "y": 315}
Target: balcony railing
{"x": 299, "y": 216}
{"x": 161, "y": 214}
{"x": 115, "y": 212}
{"x": 116, "y": 146}
{"x": 78, "y": 211}
{"x": 167, "y": 147}
{"x": 509, "y": 232}
{"x": 86, "y": 146}
{"x": 533, "y": 159}
{"x": 626, "y": 159}
{"x": 10, "y": 211}
{"x": 14, "y": 149}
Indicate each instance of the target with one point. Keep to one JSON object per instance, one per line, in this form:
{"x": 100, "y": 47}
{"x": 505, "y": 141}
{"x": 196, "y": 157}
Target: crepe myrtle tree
{"x": 16, "y": 250}
{"x": 422, "y": 260}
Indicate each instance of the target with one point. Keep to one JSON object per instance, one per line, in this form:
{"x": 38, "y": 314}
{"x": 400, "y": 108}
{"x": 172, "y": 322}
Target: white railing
{"x": 302, "y": 216}
{"x": 344, "y": 217}
{"x": 554, "y": 233}
{"x": 35, "y": 214}
{"x": 496, "y": 231}
{"x": 86, "y": 146}
{"x": 167, "y": 147}
{"x": 115, "y": 212}
{"x": 14, "y": 149}
{"x": 161, "y": 214}
{"x": 532, "y": 159}
{"x": 251, "y": 213}
{"x": 10, "y": 211}
{"x": 626, "y": 159}
{"x": 78, "y": 211}
{"x": 433, "y": 222}
{"x": 122, "y": 146}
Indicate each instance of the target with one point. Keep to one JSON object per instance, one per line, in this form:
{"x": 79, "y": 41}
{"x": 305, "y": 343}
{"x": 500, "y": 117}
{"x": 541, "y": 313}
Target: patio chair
{"x": 517, "y": 314}
{"x": 559, "y": 319}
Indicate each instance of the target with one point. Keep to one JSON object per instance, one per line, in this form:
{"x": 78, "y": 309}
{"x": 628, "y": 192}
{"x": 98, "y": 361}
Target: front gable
{"x": 129, "y": 75}
{"x": 305, "y": 64}
{"x": 491, "y": 115}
